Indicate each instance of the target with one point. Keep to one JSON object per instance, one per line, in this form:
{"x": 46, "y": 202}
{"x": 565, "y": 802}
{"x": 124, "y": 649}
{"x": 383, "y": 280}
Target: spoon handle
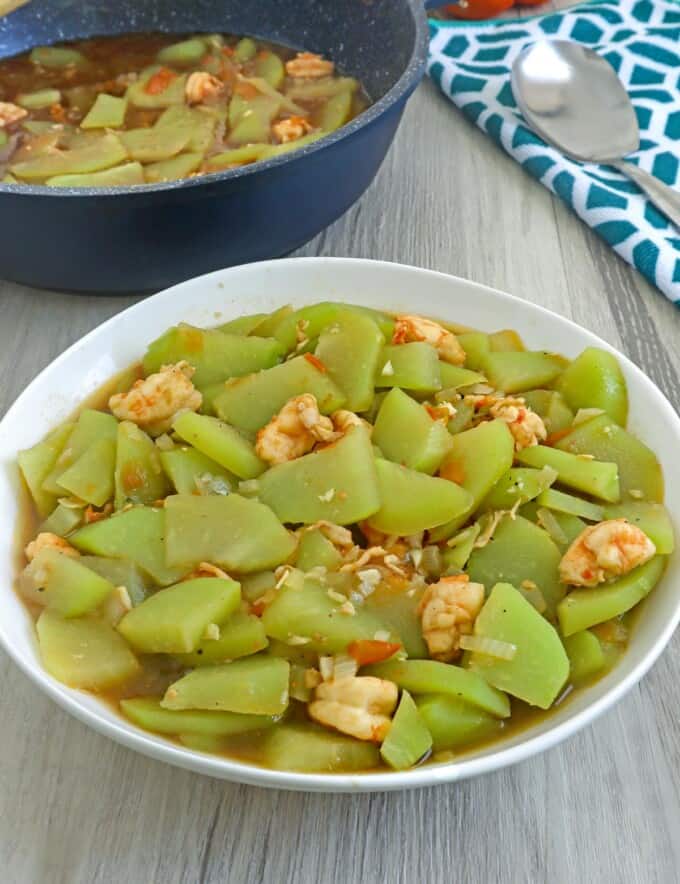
{"x": 664, "y": 197}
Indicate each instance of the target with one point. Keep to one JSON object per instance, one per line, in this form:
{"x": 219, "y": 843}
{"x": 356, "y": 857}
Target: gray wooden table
{"x": 604, "y": 807}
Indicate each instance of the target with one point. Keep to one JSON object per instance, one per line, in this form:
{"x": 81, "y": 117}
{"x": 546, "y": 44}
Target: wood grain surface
{"x": 603, "y": 807}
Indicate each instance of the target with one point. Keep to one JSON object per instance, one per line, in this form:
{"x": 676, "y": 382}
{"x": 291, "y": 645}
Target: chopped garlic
{"x": 488, "y": 532}
{"x": 388, "y": 369}
{"x": 369, "y": 578}
{"x": 327, "y": 496}
{"x": 295, "y": 640}
{"x": 392, "y": 562}
{"x": 585, "y": 414}
{"x": 123, "y": 597}
{"x": 312, "y": 678}
{"x": 344, "y": 666}
{"x": 211, "y": 632}
{"x": 282, "y": 577}
{"x": 326, "y": 668}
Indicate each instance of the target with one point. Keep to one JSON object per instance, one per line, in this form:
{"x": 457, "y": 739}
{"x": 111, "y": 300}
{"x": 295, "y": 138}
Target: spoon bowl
{"x": 573, "y": 99}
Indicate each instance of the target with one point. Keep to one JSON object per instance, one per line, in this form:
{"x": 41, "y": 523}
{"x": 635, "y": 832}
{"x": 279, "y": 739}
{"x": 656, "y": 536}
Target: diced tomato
{"x": 160, "y": 81}
{"x": 258, "y": 607}
{"x": 475, "y": 9}
{"x": 366, "y": 651}
{"x": 133, "y": 476}
{"x": 193, "y": 339}
{"x": 555, "y": 437}
{"x": 245, "y": 90}
{"x": 58, "y": 113}
{"x": 316, "y": 362}
{"x": 453, "y": 471}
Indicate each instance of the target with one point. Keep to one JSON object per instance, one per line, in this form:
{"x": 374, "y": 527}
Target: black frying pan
{"x": 127, "y": 239}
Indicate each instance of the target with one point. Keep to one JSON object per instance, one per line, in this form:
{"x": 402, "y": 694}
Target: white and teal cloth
{"x": 641, "y": 39}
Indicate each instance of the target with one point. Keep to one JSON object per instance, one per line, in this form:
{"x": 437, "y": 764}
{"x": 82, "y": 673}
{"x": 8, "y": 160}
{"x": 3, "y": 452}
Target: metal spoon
{"x": 573, "y": 99}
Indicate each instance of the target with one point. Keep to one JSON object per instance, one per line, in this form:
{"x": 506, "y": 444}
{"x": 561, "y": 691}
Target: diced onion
{"x": 326, "y": 667}
{"x": 416, "y": 557}
{"x": 490, "y": 647}
{"x": 298, "y": 689}
{"x": 551, "y": 525}
{"x": 72, "y": 503}
{"x": 535, "y": 597}
{"x": 471, "y": 533}
{"x": 206, "y": 483}
{"x": 249, "y": 487}
{"x": 585, "y": 414}
{"x": 548, "y": 473}
{"x": 165, "y": 443}
{"x": 432, "y": 561}
{"x": 344, "y": 666}
{"x": 476, "y": 390}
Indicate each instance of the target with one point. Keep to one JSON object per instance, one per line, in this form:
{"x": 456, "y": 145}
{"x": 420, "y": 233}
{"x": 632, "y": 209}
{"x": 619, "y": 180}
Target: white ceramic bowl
{"x": 220, "y": 296}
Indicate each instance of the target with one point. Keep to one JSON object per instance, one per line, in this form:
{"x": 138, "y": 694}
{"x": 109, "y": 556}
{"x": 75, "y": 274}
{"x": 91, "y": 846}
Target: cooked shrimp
{"x": 525, "y": 425}
{"x": 202, "y": 86}
{"x": 309, "y": 65}
{"x": 410, "y": 328}
{"x": 294, "y": 431}
{"x": 47, "y": 540}
{"x": 345, "y": 420}
{"x": 364, "y": 557}
{"x": 448, "y": 609}
{"x": 608, "y": 549}
{"x": 360, "y": 706}
{"x": 442, "y": 412}
{"x": 338, "y": 536}
{"x": 291, "y": 129}
{"x": 153, "y": 403}
{"x": 11, "y": 113}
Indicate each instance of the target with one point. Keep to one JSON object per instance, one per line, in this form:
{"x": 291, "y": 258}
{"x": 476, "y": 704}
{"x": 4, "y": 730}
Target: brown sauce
{"x": 159, "y": 671}
{"x": 295, "y": 108}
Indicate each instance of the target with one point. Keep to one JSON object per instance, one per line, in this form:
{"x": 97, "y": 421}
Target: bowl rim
{"x": 445, "y": 772}
{"x": 401, "y": 89}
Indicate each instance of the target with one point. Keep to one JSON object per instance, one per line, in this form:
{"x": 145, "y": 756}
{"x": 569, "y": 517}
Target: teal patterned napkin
{"x": 641, "y": 39}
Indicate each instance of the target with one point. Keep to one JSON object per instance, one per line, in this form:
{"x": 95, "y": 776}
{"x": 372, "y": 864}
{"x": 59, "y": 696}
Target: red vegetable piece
{"x": 476, "y": 9}
{"x": 160, "y": 81}
{"x": 366, "y": 651}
